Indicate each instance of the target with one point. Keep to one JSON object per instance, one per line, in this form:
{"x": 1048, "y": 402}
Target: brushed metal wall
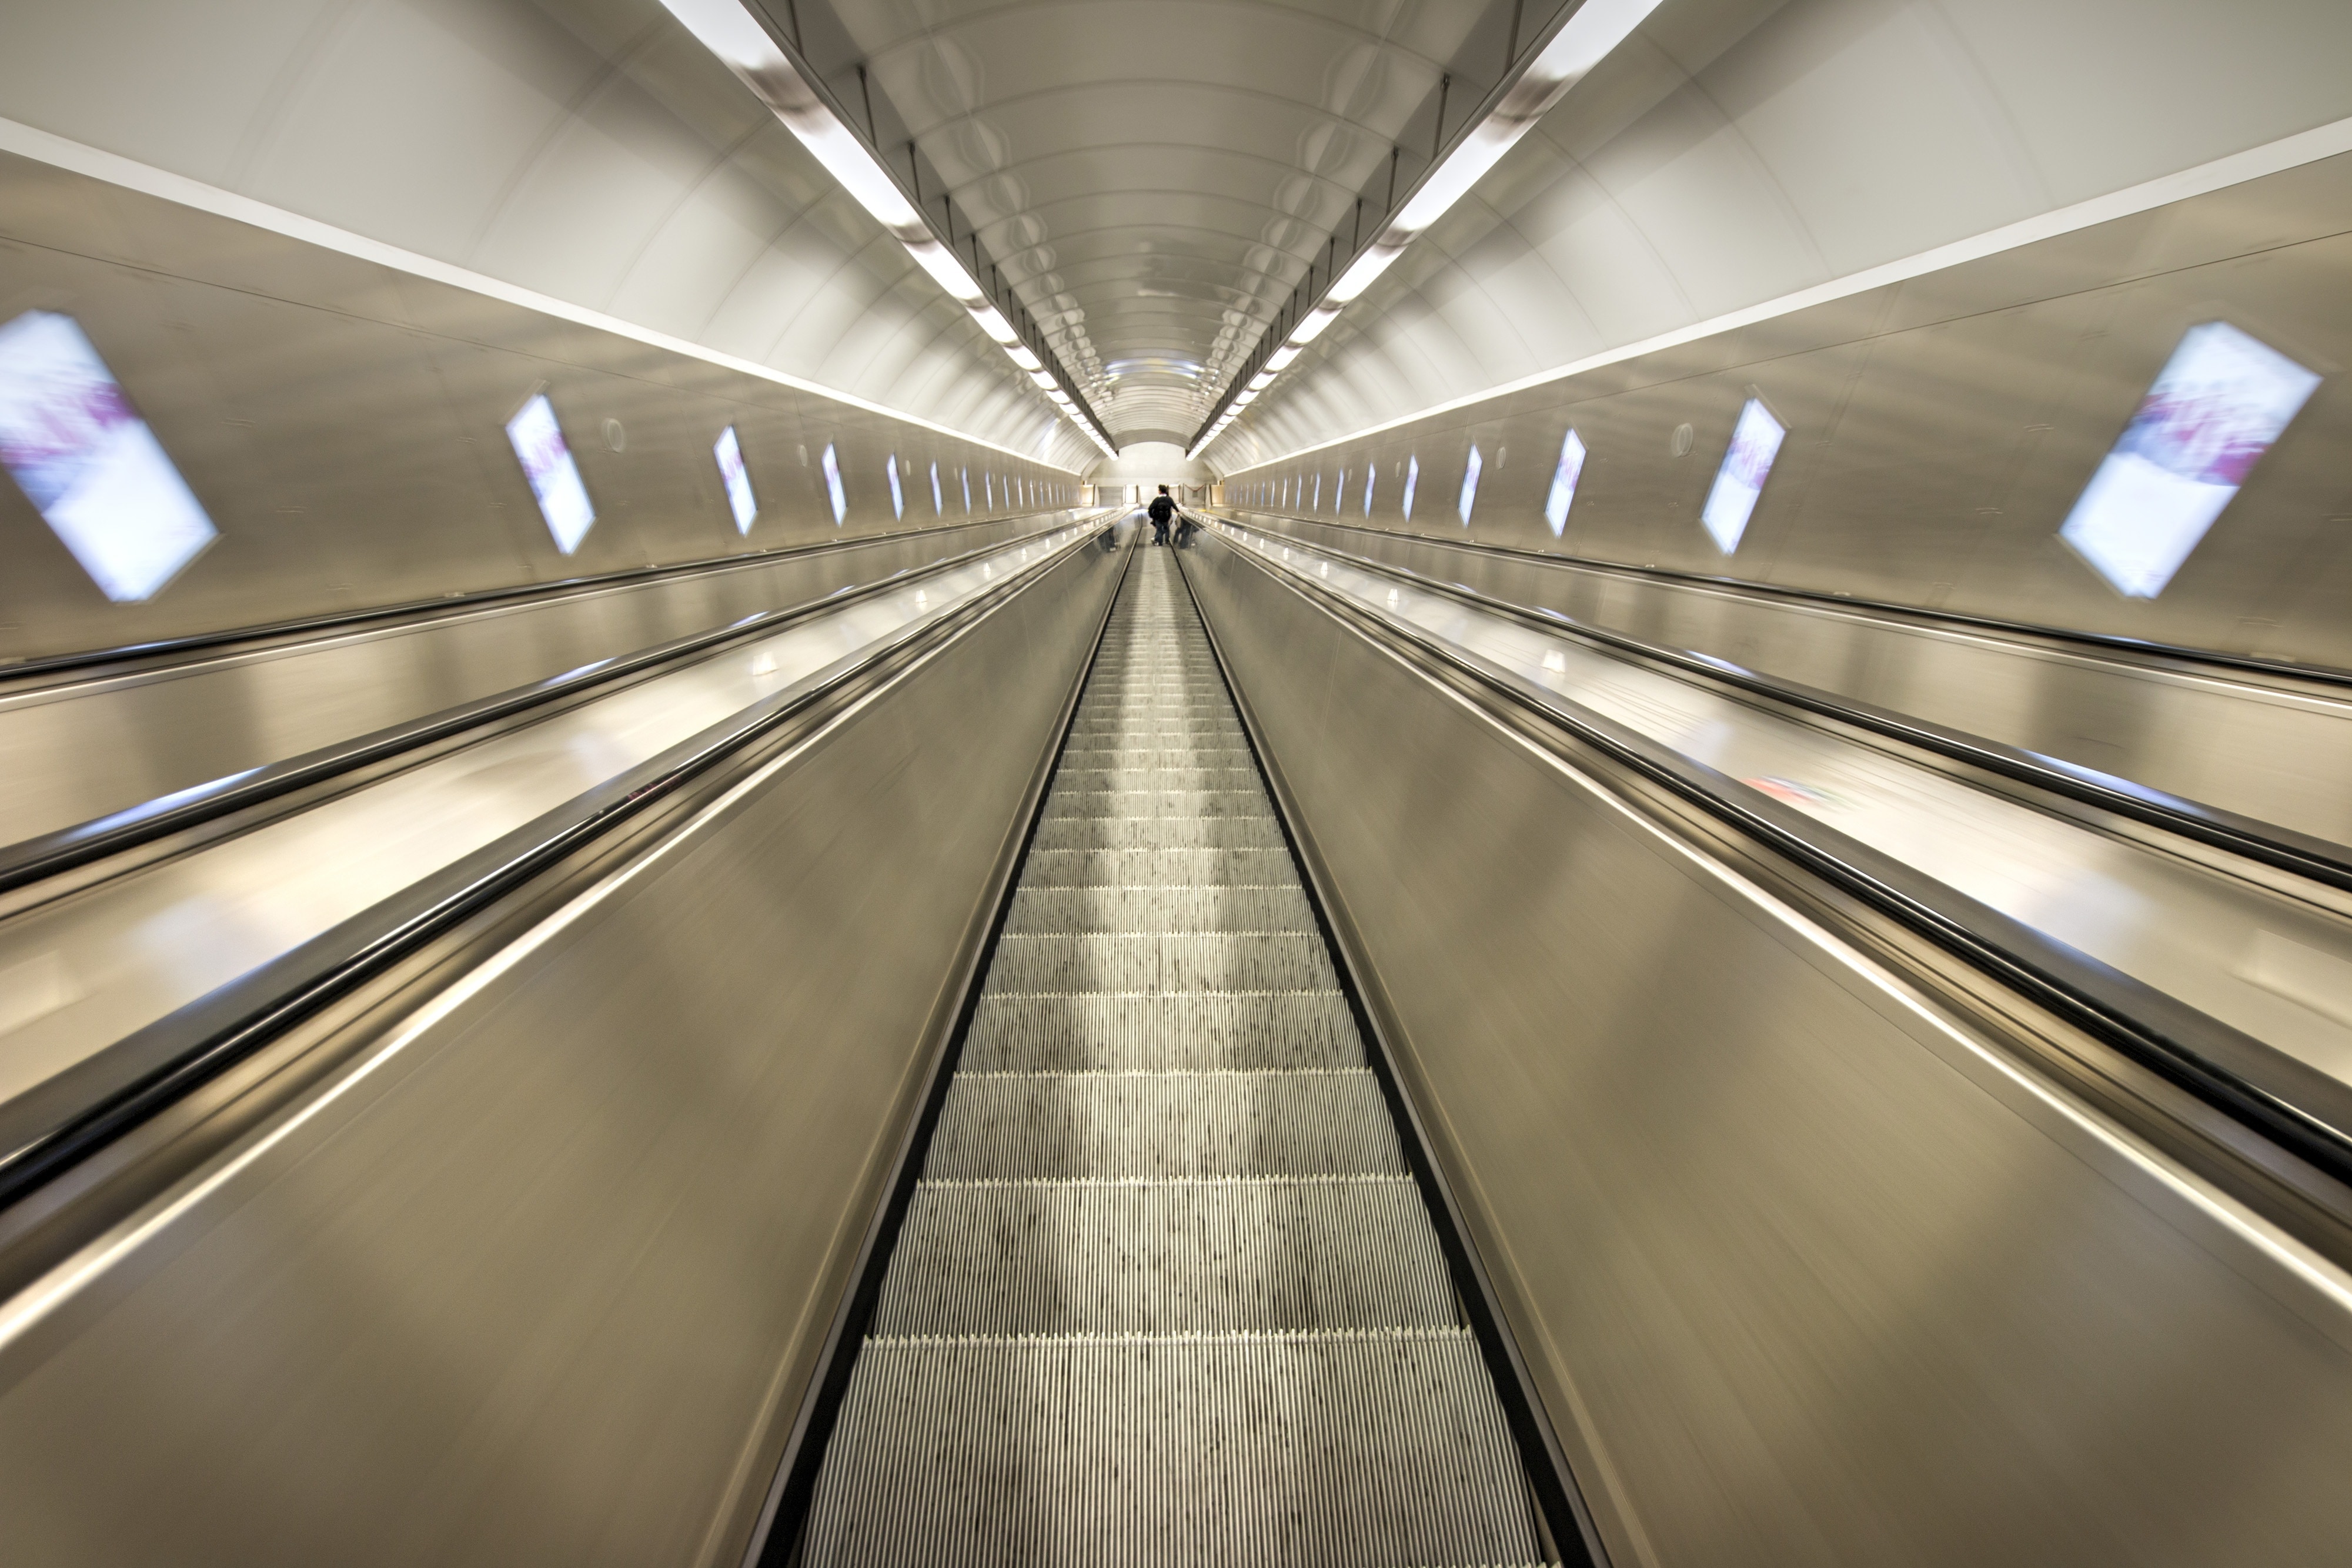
{"x": 1939, "y": 431}
{"x": 341, "y": 422}
{"x": 545, "y": 1287}
{"x": 1803, "y": 1278}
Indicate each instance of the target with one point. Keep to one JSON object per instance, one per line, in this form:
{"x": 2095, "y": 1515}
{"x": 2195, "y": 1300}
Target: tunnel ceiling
{"x": 1154, "y": 178}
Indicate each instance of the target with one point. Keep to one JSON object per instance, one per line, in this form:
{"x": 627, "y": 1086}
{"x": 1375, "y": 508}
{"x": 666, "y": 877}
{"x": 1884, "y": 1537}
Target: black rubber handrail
{"x": 2264, "y": 842}
{"x": 34, "y": 860}
{"x": 2285, "y": 1101}
{"x": 62, "y": 1122}
{"x": 2104, "y": 641}
{"x": 456, "y": 604}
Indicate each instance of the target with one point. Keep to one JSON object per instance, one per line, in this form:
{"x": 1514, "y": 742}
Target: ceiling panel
{"x": 1153, "y": 176}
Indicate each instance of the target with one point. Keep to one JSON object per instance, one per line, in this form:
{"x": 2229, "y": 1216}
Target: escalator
{"x": 1161, "y": 1056}
{"x": 1166, "y": 1290}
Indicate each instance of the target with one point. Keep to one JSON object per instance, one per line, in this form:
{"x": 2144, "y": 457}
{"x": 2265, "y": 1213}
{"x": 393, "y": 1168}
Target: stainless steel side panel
{"x": 541, "y": 1279}
{"x": 1804, "y": 1272}
{"x": 2278, "y": 751}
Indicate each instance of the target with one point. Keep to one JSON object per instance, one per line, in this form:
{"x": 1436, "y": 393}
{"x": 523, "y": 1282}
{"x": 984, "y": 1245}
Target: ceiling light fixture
{"x": 743, "y": 45}
{"x": 1583, "y": 41}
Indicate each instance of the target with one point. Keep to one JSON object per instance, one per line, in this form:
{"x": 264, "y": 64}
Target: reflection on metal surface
{"x": 2150, "y": 914}
{"x": 126, "y": 735}
{"x": 148, "y": 943}
{"x": 2264, "y": 742}
{"x": 2318, "y": 980}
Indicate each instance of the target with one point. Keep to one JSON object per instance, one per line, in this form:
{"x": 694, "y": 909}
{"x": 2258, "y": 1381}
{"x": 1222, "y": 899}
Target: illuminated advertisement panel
{"x": 2216, "y": 407}
{"x": 554, "y": 478}
{"x": 939, "y": 502}
{"x": 1412, "y": 483}
{"x": 897, "y": 496}
{"x": 1755, "y": 441}
{"x": 839, "y": 497}
{"x": 1563, "y": 482}
{"x": 737, "y": 479}
{"x": 1469, "y": 485}
{"x": 70, "y": 439}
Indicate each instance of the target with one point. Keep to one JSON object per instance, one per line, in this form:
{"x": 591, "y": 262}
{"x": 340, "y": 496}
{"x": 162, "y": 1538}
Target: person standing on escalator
{"x": 1161, "y": 509}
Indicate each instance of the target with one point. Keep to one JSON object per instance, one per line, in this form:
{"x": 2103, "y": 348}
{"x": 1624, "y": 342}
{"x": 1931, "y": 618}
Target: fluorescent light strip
{"x": 1582, "y": 42}
{"x": 737, "y": 37}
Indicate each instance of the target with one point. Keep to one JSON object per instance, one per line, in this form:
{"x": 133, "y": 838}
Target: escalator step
{"x": 1076, "y": 780}
{"x": 1158, "y": 833}
{"x": 1193, "y": 866}
{"x": 1026, "y": 1126}
{"x": 1162, "y": 961}
{"x": 1199, "y": 1032}
{"x": 1169, "y": 909}
{"x": 1244, "y": 802}
{"x": 1356, "y": 1450}
{"x": 1097, "y": 1257}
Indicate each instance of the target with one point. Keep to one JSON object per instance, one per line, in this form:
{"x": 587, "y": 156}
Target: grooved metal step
{"x": 1162, "y": 961}
{"x": 1188, "y": 866}
{"x": 1160, "y": 908}
{"x": 1340, "y": 1449}
{"x": 1243, "y": 802}
{"x": 1246, "y": 1255}
{"x": 1080, "y": 780}
{"x": 1158, "y": 833}
{"x": 1205, "y": 1032}
{"x": 1022, "y": 1125}
{"x": 1165, "y": 1293}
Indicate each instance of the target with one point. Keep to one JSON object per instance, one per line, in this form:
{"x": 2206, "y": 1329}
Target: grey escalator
{"x": 1165, "y": 1292}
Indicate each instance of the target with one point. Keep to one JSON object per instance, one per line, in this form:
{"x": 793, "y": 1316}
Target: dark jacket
{"x": 1161, "y": 509}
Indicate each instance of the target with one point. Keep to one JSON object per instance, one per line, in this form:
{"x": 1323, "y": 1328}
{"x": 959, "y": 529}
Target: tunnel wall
{"x": 1732, "y": 153}
{"x": 340, "y": 419}
{"x": 1939, "y": 432}
{"x": 589, "y": 149}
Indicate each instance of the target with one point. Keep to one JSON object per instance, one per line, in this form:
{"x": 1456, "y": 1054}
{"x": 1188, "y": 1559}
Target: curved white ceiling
{"x": 1155, "y": 174}
{"x": 1735, "y": 151}
{"x": 589, "y": 150}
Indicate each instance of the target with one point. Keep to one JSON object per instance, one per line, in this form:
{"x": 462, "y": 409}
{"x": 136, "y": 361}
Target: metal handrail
{"x": 34, "y": 860}
{"x": 64, "y": 1121}
{"x": 2265, "y": 843}
{"x": 2285, "y": 1101}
